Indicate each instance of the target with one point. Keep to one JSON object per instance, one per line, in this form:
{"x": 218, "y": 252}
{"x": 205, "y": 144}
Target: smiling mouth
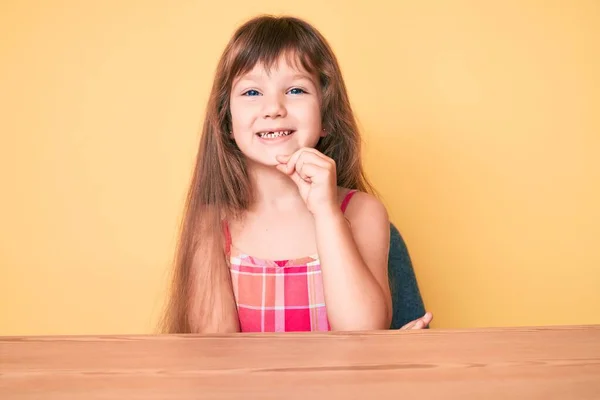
{"x": 273, "y": 134}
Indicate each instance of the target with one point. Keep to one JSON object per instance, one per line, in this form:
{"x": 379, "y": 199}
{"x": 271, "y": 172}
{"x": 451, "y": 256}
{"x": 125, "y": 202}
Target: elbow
{"x": 371, "y": 319}
{"x": 366, "y": 324}
{"x": 378, "y": 316}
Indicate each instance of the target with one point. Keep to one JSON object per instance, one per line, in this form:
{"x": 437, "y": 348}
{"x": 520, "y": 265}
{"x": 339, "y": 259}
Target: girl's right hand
{"x": 315, "y": 175}
{"x": 419, "y": 323}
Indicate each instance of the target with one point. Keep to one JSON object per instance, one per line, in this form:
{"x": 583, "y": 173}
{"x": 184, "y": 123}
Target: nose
{"x": 274, "y": 106}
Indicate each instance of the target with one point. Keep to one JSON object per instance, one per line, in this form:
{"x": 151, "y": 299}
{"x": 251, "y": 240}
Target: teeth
{"x": 272, "y": 135}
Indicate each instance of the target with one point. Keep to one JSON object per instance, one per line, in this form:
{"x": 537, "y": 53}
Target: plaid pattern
{"x": 279, "y": 296}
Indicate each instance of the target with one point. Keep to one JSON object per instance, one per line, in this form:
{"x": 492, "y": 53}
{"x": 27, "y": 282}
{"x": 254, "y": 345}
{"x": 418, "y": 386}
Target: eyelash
{"x": 254, "y": 90}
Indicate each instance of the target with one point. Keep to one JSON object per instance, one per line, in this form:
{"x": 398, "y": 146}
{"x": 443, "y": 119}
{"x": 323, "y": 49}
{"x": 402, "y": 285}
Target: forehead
{"x": 284, "y": 66}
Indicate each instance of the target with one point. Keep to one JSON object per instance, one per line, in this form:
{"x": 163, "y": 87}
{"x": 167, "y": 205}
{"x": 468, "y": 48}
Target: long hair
{"x": 201, "y": 296}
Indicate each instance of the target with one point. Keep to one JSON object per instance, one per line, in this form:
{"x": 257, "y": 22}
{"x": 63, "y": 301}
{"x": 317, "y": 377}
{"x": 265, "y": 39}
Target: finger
{"x": 313, "y": 155}
{"x": 312, "y": 158}
{"x": 299, "y": 181}
{"x": 299, "y": 165}
{"x": 293, "y": 160}
{"x": 309, "y": 171}
{"x": 289, "y": 166}
{"x": 427, "y": 318}
{"x": 306, "y": 159}
{"x": 408, "y": 325}
{"x": 282, "y": 158}
{"x": 418, "y": 325}
{"x": 282, "y": 168}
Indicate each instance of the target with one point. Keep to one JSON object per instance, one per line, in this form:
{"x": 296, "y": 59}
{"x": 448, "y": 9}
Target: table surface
{"x": 501, "y": 363}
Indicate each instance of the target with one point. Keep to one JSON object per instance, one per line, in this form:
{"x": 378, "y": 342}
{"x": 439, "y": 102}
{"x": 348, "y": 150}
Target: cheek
{"x": 309, "y": 120}
{"x": 310, "y": 115}
{"x": 237, "y": 122}
{"x": 236, "y": 113}
{"x": 242, "y": 116}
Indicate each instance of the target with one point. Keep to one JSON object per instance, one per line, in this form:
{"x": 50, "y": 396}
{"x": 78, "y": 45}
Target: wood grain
{"x": 516, "y": 363}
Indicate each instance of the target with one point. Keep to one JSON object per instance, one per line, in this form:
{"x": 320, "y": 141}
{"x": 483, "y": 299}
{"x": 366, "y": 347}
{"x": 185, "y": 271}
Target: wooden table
{"x": 523, "y": 363}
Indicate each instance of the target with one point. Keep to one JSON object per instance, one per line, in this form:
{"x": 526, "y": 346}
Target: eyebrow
{"x": 302, "y": 76}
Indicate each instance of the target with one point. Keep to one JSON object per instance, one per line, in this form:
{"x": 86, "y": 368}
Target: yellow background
{"x": 481, "y": 124}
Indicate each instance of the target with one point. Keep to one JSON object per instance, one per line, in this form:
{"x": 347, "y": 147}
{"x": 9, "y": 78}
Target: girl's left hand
{"x": 316, "y": 178}
{"x": 419, "y": 323}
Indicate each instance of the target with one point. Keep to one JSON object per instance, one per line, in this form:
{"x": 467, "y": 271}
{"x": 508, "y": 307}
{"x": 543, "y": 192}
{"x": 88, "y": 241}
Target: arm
{"x": 354, "y": 256}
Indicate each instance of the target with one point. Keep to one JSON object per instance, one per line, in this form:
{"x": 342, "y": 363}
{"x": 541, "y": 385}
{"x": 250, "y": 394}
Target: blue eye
{"x": 297, "y": 91}
{"x": 251, "y": 92}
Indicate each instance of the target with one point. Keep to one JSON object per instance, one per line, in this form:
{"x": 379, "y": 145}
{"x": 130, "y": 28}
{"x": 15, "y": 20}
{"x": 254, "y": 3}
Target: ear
{"x": 323, "y": 132}
{"x": 229, "y": 128}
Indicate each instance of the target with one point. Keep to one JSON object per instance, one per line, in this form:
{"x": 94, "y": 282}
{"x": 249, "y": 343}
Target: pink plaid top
{"x": 279, "y": 296}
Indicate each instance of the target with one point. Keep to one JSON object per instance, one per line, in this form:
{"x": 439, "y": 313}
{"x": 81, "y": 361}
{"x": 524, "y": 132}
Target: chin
{"x": 266, "y": 156}
{"x": 264, "y": 161}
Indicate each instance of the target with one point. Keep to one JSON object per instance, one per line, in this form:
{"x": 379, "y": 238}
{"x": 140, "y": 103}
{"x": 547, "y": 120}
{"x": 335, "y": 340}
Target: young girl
{"x": 280, "y": 232}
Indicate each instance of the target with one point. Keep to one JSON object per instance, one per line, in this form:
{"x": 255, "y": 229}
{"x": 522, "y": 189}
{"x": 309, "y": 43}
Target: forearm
{"x": 354, "y": 298}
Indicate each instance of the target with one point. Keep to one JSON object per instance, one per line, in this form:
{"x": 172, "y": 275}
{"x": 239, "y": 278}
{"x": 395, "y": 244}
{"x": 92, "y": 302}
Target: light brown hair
{"x": 201, "y": 296}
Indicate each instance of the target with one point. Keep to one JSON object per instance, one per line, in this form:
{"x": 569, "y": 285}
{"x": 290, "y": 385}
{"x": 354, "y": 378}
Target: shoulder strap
{"x": 347, "y": 199}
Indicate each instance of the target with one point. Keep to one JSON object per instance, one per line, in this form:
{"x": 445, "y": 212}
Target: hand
{"x": 419, "y": 323}
{"x": 316, "y": 178}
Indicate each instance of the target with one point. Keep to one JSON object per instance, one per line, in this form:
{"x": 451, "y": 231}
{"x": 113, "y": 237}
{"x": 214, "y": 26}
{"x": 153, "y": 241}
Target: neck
{"x": 272, "y": 188}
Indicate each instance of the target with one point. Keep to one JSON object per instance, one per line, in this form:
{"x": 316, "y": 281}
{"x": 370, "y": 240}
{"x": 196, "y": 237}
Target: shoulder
{"x": 364, "y": 210}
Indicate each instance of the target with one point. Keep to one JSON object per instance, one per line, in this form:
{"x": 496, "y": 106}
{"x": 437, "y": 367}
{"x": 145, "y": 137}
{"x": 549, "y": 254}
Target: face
{"x": 275, "y": 112}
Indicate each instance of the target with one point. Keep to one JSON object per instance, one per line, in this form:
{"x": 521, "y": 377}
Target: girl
{"x": 280, "y": 232}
